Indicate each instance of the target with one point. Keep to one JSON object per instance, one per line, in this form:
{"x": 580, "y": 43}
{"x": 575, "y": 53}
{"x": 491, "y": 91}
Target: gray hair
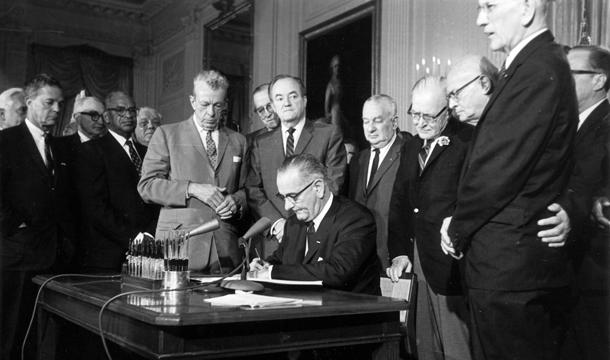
{"x": 213, "y": 78}
{"x": 308, "y": 166}
{"x": 6, "y": 96}
{"x": 151, "y": 111}
{"x": 384, "y": 100}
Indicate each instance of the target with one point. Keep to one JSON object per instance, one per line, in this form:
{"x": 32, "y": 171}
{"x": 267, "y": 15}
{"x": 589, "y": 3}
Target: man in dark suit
{"x": 196, "y": 169}
{"x": 36, "y": 218}
{"x": 373, "y": 170}
{"x": 518, "y": 163}
{"x": 295, "y": 135}
{"x": 108, "y": 171}
{"x": 330, "y": 238}
{"x": 264, "y": 111}
{"x": 590, "y": 66}
{"x": 424, "y": 193}
{"x": 88, "y": 115}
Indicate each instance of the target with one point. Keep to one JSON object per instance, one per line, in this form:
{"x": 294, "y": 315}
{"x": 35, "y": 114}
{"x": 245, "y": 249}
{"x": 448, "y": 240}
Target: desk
{"x": 181, "y": 325}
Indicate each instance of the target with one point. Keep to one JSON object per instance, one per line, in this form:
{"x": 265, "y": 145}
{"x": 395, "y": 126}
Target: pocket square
{"x": 320, "y": 259}
{"x": 236, "y": 159}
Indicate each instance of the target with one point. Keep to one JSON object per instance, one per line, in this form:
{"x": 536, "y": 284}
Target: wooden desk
{"x": 181, "y": 325}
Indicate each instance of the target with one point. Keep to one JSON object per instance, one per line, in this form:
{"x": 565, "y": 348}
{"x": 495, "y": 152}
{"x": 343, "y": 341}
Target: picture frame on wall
{"x": 339, "y": 66}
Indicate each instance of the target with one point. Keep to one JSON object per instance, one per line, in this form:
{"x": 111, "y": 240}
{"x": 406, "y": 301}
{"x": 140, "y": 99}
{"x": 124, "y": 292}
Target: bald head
{"x": 470, "y": 84}
{"x": 429, "y": 107}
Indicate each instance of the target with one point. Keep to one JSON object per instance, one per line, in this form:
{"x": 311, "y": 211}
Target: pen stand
{"x": 176, "y": 279}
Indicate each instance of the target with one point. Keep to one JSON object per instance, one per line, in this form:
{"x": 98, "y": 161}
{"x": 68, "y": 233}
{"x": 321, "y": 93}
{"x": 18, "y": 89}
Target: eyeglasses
{"x": 144, "y": 124}
{"x": 261, "y": 109}
{"x": 582, "y": 72}
{"x": 454, "y": 94}
{"x": 293, "y": 197}
{"x": 121, "y": 111}
{"x": 430, "y": 119}
{"x": 93, "y": 115}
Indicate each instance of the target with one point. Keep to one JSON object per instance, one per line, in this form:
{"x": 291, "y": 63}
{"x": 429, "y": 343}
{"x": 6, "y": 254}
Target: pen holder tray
{"x": 142, "y": 283}
{"x": 176, "y": 279}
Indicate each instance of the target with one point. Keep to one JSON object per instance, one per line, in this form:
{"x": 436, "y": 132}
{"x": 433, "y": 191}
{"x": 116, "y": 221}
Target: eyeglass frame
{"x": 94, "y": 118}
{"x": 455, "y": 93}
{"x": 585, "y": 72}
{"x": 294, "y": 197}
{"x": 420, "y": 116}
{"x": 260, "y": 110}
{"x": 123, "y": 111}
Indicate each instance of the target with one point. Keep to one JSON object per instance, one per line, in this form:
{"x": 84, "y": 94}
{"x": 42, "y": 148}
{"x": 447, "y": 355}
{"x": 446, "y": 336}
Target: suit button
{"x": 416, "y": 210}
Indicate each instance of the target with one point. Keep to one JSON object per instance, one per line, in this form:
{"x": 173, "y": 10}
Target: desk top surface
{"x": 175, "y": 308}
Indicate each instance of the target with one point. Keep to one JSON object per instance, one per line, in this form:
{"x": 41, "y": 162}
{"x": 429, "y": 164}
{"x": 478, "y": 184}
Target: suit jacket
{"x": 421, "y": 200}
{"x": 592, "y": 245}
{"x": 518, "y": 164}
{"x": 35, "y": 207}
{"x": 176, "y": 156}
{"x": 323, "y": 141}
{"x": 113, "y": 210}
{"x": 345, "y": 258}
{"x": 251, "y": 136}
{"x": 378, "y": 198}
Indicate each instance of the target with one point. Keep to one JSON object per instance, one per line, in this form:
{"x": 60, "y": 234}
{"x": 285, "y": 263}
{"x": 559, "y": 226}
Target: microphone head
{"x": 258, "y": 228}
{"x": 205, "y": 228}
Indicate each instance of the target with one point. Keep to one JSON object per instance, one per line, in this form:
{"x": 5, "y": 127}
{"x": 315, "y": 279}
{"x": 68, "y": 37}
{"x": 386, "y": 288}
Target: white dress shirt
{"x": 382, "y": 153}
{"x": 203, "y": 133}
{"x": 38, "y": 136}
{"x": 585, "y": 114}
{"x": 123, "y": 142}
{"x": 298, "y": 129}
{"x": 515, "y": 51}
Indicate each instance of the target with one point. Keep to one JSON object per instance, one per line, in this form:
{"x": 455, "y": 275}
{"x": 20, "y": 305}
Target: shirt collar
{"x": 585, "y": 114}
{"x": 297, "y": 128}
{"x": 83, "y": 137}
{"x": 322, "y": 214}
{"x": 199, "y": 128}
{"x": 387, "y": 146}
{"x": 515, "y": 51}
{"x": 35, "y": 131}
{"x": 118, "y": 137}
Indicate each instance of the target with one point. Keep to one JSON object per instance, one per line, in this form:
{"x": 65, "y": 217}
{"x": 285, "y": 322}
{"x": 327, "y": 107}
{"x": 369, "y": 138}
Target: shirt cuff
{"x": 270, "y": 271}
{"x": 273, "y": 232}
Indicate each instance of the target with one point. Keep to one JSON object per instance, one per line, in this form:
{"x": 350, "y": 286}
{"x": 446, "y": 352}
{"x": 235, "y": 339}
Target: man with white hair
{"x": 12, "y": 108}
{"x": 518, "y": 163}
{"x": 88, "y": 117}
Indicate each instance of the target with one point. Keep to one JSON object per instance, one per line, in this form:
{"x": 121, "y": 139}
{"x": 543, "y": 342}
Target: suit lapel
{"x": 223, "y": 141}
{"x": 195, "y": 140}
{"x": 304, "y": 138}
{"x": 438, "y": 149}
{"x": 276, "y": 147}
{"x": 29, "y": 145}
{"x": 592, "y": 121}
{"x": 322, "y": 232}
{"x": 364, "y": 170}
{"x": 118, "y": 153}
{"x": 392, "y": 155}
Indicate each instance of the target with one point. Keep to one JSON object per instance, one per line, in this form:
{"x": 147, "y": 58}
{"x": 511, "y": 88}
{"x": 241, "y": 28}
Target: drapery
{"x": 80, "y": 67}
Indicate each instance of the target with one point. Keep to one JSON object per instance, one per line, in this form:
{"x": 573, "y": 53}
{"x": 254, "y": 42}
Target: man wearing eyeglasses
{"x": 470, "y": 84}
{"x": 518, "y": 163}
{"x": 295, "y": 135}
{"x": 590, "y": 67}
{"x": 12, "y": 108}
{"x": 424, "y": 193}
{"x": 196, "y": 169}
{"x": 107, "y": 173}
{"x": 88, "y": 115}
{"x": 330, "y": 238}
{"x": 264, "y": 111}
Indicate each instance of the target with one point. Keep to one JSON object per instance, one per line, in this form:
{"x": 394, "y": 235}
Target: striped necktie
{"x": 211, "y": 149}
{"x": 423, "y": 155}
{"x": 290, "y": 143}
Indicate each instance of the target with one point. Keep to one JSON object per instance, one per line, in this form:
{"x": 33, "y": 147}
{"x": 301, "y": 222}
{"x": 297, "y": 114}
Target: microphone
{"x": 206, "y": 227}
{"x": 244, "y": 242}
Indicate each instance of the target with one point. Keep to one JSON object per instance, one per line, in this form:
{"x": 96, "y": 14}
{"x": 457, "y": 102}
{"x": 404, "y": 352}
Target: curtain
{"x": 79, "y": 68}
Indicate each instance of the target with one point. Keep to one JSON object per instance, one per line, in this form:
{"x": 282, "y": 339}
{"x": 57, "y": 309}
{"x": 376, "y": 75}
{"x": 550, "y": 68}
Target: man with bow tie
{"x": 330, "y": 238}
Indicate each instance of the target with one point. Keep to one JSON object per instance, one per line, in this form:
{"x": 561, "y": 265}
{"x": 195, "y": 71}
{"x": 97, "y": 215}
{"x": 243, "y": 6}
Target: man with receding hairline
{"x": 518, "y": 163}
{"x": 12, "y": 108}
{"x": 264, "y": 111}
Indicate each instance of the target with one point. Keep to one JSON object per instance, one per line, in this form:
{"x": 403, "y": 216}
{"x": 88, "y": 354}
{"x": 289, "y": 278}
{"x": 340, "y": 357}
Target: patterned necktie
{"x": 135, "y": 158}
{"x": 373, "y": 170}
{"x": 423, "y": 155}
{"x": 47, "y": 154}
{"x": 290, "y": 143}
{"x": 311, "y": 238}
{"x": 211, "y": 149}
{"x": 503, "y": 74}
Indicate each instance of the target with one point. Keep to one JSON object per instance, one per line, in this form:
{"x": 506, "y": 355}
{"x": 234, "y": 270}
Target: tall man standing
{"x": 518, "y": 163}
{"x": 108, "y": 171}
{"x": 296, "y": 135}
{"x": 196, "y": 169}
{"x": 36, "y": 218}
{"x": 424, "y": 193}
{"x": 264, "y": 111}
{"x": 373, "y": 170}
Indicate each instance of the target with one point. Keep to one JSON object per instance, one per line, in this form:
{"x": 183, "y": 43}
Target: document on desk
{"x": 288, "y": 282}
{"x": 253, "y": 301}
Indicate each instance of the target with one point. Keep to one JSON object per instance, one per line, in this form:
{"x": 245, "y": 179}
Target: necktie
{"x": 47, "y": 154}
{"x": 423, "y": 155}
{"x": 311, "y": 238}
{"x": 373, "y": 170}
{"x": 290, "y": 143}
{"x": 503, "y": 74}
{"x": 135, "y": 158}
{"x": 211, "y": 149}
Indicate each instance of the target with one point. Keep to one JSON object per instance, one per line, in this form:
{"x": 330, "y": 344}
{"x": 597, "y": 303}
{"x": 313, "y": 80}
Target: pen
{"x": 257, "y": 254}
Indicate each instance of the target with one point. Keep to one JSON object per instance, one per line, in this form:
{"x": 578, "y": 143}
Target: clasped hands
{"x": 225, "y": 206}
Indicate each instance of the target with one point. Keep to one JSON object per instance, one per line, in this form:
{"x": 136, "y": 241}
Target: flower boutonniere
{"x": 443, "y": 140}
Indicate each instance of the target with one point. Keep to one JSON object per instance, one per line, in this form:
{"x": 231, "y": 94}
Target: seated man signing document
{"x": 330, "y": 238}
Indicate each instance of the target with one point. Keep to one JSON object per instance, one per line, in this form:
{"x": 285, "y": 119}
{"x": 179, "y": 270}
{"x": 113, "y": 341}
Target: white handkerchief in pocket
{"x": 320, "y": 259}
{"x": 236, "y": 159}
